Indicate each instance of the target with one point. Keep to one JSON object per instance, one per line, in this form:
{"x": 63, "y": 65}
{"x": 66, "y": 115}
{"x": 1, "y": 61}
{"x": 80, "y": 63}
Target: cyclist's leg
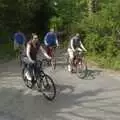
{"x": 49, "y": 50}
{"x": 18, "y": 51}
{"x": 53, "y": 50}
{"x": 71, "y": 57}
{"x": 16, "y": 48}
{"x": 28, "y": 73}
{"x": 53, "y": 56}
{"x": 15, "y": 45}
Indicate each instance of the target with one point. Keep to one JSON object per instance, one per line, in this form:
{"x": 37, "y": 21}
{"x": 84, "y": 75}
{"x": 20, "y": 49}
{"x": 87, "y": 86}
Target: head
{"x": 35, "y": 38}
{"x": 33, "y": 34}
{"x": 52, "y": 30}
{"x": 77, "y": 35}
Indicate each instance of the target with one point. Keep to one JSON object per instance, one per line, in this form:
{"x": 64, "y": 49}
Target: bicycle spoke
{"x": 82, "y": 69}
{"x": 28, "y": 83}
{"x": 48, "y": 88}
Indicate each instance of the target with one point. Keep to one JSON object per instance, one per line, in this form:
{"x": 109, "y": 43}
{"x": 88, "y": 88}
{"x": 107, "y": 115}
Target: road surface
{"x": 97, "y": 97}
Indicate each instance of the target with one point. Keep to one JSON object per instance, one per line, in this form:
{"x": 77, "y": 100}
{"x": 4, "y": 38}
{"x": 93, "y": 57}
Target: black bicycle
{"x": 43, "y": 81}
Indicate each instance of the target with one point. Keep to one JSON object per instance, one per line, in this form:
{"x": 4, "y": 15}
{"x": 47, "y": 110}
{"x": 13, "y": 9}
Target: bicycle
{"x": 79, "y": 64}
{"x": 52, "y": 62}
{"x": 19, "y": 54}
{"x": 43, "y": 81}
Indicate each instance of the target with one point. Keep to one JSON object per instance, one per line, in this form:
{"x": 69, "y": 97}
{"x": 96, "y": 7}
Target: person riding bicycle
{"x": 32, "y": 48}
{"x": 74, "y": 44}
{"x": 50, "y": 41}
{"x": 19, "y": 40}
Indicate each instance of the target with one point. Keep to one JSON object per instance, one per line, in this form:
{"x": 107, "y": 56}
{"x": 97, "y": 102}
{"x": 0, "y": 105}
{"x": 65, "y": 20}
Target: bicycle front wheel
{"x": 28, "y": 83}
{"x": 45, "y": 63}
{"x": 47, "y": 87}
{"x": 82, "y": 69}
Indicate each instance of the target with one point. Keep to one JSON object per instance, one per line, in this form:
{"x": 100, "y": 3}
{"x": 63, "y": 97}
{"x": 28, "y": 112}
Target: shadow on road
{"x": 92, "y": 74}
{"x": 23, "y": 104}
{"x": 66, "y": 88}
{"x": 19, "y": 103}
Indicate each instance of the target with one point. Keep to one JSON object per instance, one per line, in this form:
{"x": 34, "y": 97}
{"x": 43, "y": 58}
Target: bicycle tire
{"x": 81, "y": 69}
{"x": 25, "y": 79}
{"x": 41, "y": 83}
{"x": 45, "y": 63}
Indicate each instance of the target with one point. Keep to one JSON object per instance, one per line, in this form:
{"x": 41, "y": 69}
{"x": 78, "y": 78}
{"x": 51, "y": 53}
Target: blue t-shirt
{"x": 19, "y": 38}
{"x": 50, "y": 38}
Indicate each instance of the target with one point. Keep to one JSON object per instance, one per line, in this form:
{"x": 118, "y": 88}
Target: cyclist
{"x": 32, "y": 48}
{"x": 51, "y": 41}
{"x": 19, "y": 40}
{"x": 74, "y": 44}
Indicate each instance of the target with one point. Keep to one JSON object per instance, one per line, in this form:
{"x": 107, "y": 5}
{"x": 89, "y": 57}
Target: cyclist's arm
{"x": 45, "y": 39}
{"x": 24, "y": 38}
{"x": 81, "y": 45}
{"x": 14, "y": 37}
{"x": 57, "y": 43}
{"x": 71, "y": 44}
{"x": 44, "y": 52}
{"x": 28, "y": 53}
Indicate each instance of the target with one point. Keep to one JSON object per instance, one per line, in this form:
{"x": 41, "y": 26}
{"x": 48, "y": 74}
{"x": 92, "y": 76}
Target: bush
{"x": 7, "y": 52}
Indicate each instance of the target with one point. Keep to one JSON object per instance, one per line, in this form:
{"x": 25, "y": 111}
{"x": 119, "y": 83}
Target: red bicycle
{"x": 51, "y": 53}
{"x": 80, "y": 64}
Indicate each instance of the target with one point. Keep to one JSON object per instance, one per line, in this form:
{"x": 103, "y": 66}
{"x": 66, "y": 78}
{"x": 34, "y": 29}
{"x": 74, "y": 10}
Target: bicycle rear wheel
{"x": 47, "y": 87}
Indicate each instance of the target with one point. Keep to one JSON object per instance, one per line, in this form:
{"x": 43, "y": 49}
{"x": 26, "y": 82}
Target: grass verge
{"x": 6, "y": 52}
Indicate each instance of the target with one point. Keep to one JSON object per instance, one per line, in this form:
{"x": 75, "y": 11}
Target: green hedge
{"x": 6, "y": 51}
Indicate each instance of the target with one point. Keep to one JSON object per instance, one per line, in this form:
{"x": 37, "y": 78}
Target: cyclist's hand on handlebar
{"x": 85, "y": 50}
{"x": 33, "y": 61}
{"x": 49, "y": 58}
{"x": 79, "y": 49}
{"x": 73, "y": 50}
{"x": 58, "y": 46}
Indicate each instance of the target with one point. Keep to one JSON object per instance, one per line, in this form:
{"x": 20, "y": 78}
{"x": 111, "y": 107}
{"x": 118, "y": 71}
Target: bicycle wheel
{"x": 27, "y": 82}
{"x": 81, "y": 69}
{"x": 47, "y": 87}
{"x": 45, "y": 63}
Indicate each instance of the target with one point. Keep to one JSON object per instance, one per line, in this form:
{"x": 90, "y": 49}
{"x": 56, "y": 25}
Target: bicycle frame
{"x": 51, "y": 53}
{"x": 41, "y": 79}
{"x": 36, "y": 68}
{"x": 77, "y": 58}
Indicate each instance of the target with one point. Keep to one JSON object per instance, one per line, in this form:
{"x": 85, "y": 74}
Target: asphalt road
{"x": 97, "y": 97}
